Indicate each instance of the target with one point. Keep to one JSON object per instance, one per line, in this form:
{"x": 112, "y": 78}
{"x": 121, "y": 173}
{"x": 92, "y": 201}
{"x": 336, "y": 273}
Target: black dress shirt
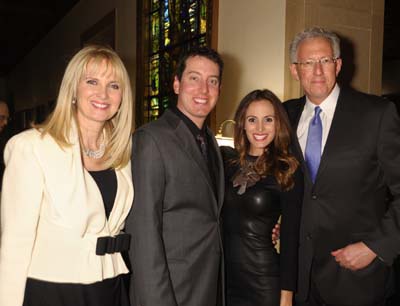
{"x": 210, "y": 155}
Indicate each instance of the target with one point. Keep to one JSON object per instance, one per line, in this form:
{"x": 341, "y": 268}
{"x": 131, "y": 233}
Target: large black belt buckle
{"x": 110, "y": 245}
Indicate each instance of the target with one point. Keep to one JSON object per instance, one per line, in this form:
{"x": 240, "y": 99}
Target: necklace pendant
{"x": 95, "y": 154}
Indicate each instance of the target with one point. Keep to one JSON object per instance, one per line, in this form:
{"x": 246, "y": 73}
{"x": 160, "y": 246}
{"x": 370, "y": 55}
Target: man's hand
{"x": 276, "y": 231}
{"x": 354, "y": 256}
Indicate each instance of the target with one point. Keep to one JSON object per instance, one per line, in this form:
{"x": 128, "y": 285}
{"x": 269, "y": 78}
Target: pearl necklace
{"x": 96, "y": 154}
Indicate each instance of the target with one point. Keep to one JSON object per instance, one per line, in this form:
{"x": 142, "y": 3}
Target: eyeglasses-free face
{"x": 316, "y": 68}
{"x": 4, "y": 116}
{"x": 198, "y": 89}
{"x": 260, "y": 126}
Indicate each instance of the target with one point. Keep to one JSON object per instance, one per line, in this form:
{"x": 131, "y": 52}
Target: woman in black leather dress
{"x": 263, "y": 182}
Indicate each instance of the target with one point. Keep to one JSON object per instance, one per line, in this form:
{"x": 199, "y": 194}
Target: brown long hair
{"x": 277, "y": 160}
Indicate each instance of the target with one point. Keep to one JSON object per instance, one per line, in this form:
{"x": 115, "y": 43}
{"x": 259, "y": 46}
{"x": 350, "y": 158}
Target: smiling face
{"x": 260, "y": 126}
{"x": 319, "y": 80}
{"x": 4, "y": 115}
{"x": 198, "y": 89}
{"x": 99, "y": 95}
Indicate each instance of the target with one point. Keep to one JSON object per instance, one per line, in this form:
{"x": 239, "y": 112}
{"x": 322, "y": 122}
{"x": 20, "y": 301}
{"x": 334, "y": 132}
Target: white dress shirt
{"x": 328, "y": 107}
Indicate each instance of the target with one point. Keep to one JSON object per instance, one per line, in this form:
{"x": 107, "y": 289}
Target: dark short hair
{"x": 206, "y": 52}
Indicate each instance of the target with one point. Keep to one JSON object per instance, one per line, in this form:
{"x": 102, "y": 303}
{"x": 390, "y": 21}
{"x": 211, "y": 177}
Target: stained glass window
{"x": 167, "y": 29}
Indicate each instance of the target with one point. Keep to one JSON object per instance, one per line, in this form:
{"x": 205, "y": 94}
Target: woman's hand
{"x": 286, "y": 298}
{"x": 276, "y": 231}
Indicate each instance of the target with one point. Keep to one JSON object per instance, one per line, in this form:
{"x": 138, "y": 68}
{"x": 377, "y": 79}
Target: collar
{"x": 328, "y": 106}
{"x": 189, "y": 123}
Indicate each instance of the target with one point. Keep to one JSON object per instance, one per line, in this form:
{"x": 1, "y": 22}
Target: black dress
{"x": 109, "y": 292}
{"x": 255, "y": 272}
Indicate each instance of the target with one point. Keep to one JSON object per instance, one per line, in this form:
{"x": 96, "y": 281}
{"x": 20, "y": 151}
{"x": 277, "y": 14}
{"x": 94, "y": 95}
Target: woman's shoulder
{"x": 229, "y": 156}
{"x": 32, "y": 140}
{"x": 26, "y": 137}
{"x": 229, "y": 153}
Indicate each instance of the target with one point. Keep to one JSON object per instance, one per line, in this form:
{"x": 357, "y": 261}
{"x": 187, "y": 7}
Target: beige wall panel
{"x": 312, "y": 15}
{"x": 295, "y": 20}
{"x": 378, "y": 6}
{"x": 353, "y": 5}
{"x": 359, "y": 22}
{"x": 359, "y": 60}
{"x": 251, "y": 40}
{"x": 342, "y": 16}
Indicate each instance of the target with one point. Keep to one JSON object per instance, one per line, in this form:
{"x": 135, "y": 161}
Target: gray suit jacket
{"x": 176, "y": 254}
{"x": 347, "y": 203}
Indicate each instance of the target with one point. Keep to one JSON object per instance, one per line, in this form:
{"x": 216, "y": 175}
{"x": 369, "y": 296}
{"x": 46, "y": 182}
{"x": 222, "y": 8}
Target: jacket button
{"x": 314, "y": 197}
{"x": 309, "y": 236}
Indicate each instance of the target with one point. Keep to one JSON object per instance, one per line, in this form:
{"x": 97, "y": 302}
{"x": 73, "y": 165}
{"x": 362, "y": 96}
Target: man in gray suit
{"x": 177, "y": 171}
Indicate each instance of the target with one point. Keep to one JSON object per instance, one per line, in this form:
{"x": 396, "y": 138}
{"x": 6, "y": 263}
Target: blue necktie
{"x": 314, "y": 144}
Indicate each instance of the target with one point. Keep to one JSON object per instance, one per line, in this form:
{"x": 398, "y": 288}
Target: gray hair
{"x": 314, "y": 33}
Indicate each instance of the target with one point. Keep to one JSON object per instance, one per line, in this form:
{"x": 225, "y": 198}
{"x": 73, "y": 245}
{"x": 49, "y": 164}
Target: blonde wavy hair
{"x": 118, "y": 129}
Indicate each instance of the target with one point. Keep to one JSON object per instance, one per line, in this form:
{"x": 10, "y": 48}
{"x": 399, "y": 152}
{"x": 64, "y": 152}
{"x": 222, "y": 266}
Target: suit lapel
{"x": 191, "y": 147}
{"x": 337, "y": 132}
{"x": 187, "y": 142}
{"x": 219, "y": 171}
{"x": 294, "y": 114}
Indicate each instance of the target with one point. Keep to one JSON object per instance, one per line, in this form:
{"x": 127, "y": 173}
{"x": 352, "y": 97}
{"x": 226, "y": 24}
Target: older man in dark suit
{"x": 349, "y": 145}
{"x": 178, "y": 179}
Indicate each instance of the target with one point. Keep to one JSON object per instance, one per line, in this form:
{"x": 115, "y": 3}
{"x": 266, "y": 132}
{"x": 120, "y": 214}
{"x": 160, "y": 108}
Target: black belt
{"x": 110, "y": 245}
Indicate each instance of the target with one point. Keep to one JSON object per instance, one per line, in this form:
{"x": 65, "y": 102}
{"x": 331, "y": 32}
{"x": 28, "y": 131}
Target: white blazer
{"x": 52, "y": 213}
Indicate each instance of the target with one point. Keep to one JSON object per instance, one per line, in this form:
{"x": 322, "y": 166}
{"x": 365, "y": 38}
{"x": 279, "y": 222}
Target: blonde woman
{"x": 67, "y": 190}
